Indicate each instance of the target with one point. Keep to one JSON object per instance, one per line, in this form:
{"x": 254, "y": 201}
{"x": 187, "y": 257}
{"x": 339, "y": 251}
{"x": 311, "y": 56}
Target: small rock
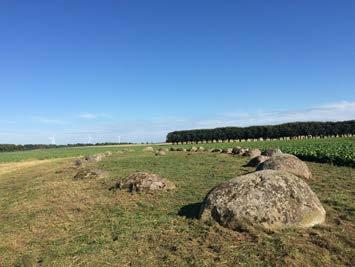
{"x": 142, "y": 181}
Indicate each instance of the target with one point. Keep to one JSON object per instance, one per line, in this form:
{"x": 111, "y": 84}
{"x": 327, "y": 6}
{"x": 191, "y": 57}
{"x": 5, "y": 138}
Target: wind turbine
{"x": 89, "y": 140}
{"x": 52, "y": 138}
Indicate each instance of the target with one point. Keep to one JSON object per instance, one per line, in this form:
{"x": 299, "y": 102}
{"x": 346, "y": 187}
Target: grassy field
{"x": 64, "y": 152}
{"x": 50, "y": 219}
{"x": 339, "y": 151}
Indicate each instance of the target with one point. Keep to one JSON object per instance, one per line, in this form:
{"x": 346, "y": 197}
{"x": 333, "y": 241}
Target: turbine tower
{"x": 52, "y": 138}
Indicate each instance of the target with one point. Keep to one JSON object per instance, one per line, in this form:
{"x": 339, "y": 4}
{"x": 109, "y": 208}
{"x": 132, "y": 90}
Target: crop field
{"x": 339, "y": 151}
{"x": 49, "y": 219}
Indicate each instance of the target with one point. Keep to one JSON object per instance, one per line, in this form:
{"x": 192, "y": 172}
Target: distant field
{"x": 339, "y": 151}
{"x": 49, "y": 219}
{"x": 58, "y": 153}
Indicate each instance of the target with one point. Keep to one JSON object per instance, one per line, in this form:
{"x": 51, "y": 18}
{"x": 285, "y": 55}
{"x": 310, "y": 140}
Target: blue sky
{"x": 81, "y": 70}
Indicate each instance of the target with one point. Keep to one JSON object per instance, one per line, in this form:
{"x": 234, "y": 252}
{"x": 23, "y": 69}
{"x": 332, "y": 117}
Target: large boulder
{"x": 201, "y": 148}
{"x": 253, "y": 153}
{"x": 286, "y": 162}
{"x": 272, "y": 152}
{"x": 148, "y": 149}
{"x": 264, "y": 199}
{"x": 257, "y": 160}
{"x": 142, "y": 181}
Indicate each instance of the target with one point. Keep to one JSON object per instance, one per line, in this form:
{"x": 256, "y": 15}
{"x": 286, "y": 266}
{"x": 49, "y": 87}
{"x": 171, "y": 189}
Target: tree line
{"x": 266, "y": 131}
{"x": 13, "y": 147}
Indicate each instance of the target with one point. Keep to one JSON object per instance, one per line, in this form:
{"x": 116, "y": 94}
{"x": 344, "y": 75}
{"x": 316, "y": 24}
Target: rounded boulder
{"x": 267, "y": 199}
{"x": 288, "y": 163}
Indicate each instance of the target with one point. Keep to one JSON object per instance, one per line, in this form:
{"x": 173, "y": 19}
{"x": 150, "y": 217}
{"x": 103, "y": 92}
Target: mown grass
{"x": 63, "y": 152}
{"x": 46, "y": 217}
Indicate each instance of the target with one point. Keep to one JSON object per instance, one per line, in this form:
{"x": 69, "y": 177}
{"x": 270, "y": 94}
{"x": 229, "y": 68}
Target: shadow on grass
{"x": 190, "y": 211}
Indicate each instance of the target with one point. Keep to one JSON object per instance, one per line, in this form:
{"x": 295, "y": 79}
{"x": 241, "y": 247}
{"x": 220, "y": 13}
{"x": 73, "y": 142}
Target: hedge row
{"x": 267, "y": 131}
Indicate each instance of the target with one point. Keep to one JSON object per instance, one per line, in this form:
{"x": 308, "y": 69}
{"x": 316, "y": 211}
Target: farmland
{"x": 339, "y": 151}
{"x": 47, "y": 218}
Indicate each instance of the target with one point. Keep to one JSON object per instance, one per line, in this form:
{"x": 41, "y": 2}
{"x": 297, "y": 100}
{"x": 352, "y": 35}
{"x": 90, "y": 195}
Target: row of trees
{"x": 12, "y": 147}
{"x": 266, "y": 131}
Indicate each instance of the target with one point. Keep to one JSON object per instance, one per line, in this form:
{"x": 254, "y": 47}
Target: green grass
{"x": 47, "y": 217}
{"x": 64, "y": 152}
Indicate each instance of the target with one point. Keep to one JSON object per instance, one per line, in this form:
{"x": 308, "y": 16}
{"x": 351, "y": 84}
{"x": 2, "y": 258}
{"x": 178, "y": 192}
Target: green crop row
{"x": 338, "y": 151}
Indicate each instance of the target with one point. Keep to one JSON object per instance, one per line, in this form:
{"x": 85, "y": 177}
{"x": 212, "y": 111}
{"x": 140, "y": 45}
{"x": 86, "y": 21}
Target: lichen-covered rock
{"x": 253, "y": 153}
{"x": 235, "y": 150}
{"x": 201, "y": 148}
{"x": 268, "y": 199}
{"x": 163, "y": 149}
{"x": 142, "y": 181}
{"x": 257, "y": 160}
{"x": 239, "y": 151}
{"x": 286, "y": 162}
{"x": 108, "y": 153}
{"x": 193, "y": 149}
{"x": 227, "y": 150}
{"x": 148, "y": 149}
{"x": 272, "y": 152}
{"x": 87, "y": 174}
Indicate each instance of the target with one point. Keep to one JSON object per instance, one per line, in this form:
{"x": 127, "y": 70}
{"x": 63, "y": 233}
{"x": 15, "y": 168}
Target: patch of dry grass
{"x": 46, "y": 216}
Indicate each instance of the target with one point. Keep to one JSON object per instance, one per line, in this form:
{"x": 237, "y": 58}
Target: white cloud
{"x": 93, "y": 116}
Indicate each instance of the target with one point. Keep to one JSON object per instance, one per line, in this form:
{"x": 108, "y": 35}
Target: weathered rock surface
{"x": 216, "y": 150}
{"x": 142, "y": 181}
{"x": 253, "y": 153}
{"x": 227, "y": 150}
{"x": 272, "y": 152}
{"x": 268, "y": 199}
{"x": 257, "y": 160}
{"x": 194, "y": 149}
{"x": 286, "y": 162}
{"x": 201, "y": 148}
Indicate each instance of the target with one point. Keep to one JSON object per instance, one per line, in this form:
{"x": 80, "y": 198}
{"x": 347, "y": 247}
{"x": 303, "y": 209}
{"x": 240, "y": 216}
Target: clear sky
{"x": 80, "y": 70}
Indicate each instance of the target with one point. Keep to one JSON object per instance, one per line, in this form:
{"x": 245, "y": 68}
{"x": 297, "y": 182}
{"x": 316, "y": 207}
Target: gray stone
{"x": 257, "y": 160}
{"x": 264, "y": 199}
{"x": 142, "y": 181}
{"x": 286, "y": 162}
